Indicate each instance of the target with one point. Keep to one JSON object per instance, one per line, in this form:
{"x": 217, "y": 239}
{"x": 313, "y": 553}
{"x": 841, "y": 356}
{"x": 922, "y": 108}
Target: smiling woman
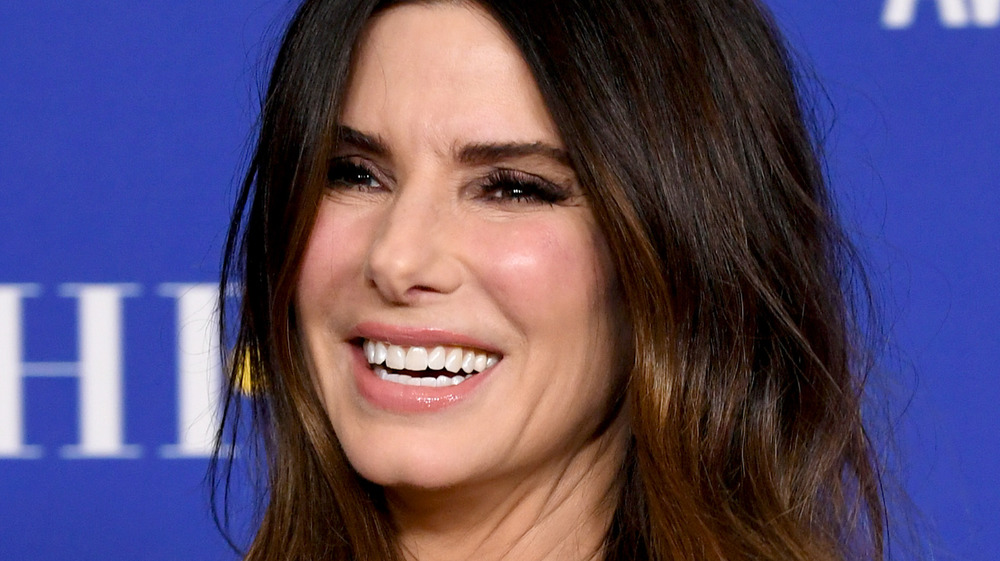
{"x": 552, "y": 280}
{"x": 452, "y": 244}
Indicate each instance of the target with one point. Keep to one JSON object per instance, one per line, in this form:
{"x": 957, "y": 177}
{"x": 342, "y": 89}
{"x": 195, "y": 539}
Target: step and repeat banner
{"x": 123, "y": 130}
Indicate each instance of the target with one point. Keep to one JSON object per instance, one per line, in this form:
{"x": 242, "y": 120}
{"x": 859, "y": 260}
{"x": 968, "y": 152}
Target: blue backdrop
{"x": 123, "y": 128}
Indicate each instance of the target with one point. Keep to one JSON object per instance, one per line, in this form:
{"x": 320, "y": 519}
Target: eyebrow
{"x": 471, "y": 154}
{"x": 368, "y": 143}
{"x": 484, "y": 152}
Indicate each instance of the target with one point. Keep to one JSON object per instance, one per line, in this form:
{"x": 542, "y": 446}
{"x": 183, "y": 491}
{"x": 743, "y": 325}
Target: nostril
{"x": 423, "y": 288}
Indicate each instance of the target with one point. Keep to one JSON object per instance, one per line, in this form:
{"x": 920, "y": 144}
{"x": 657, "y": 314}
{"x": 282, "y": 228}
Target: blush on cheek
{"x": 335, "y": 251}
{"x": 541, "y": 264}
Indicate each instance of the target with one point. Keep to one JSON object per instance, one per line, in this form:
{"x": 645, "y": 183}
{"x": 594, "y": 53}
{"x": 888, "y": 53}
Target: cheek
{"x": 542, "y": 270}
{"x": 552, "y": 280}
{"x": 333, "y": 256}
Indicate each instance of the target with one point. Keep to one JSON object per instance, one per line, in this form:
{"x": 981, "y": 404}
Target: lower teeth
{"x": 425, "y": 381}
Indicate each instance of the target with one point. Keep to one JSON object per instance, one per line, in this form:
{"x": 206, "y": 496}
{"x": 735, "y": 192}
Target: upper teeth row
{"x": 451, "y": 359}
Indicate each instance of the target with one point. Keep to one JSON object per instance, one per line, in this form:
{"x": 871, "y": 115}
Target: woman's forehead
{"x": 441, "y": 75}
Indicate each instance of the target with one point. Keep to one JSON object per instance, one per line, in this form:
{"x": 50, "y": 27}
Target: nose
{"x": 412, "y": 256}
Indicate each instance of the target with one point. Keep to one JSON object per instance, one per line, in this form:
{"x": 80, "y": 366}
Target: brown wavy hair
{"x": 684, "y": 124}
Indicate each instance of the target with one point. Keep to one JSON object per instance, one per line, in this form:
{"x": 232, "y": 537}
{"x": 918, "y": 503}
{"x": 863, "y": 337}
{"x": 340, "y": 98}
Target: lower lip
{"x": 403, "y": 398}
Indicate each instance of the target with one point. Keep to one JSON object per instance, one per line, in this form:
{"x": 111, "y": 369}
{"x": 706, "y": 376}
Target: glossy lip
{"x": 402, "y": 398}
{"x": 419, "y": 337}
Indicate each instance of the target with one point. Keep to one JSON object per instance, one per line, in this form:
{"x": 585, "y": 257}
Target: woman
{"x": 546, "y": 280}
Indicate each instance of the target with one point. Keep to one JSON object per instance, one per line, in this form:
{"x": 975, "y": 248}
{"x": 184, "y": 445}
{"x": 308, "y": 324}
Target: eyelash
{"x": 501, "y": 185}
{"x": 343, "y": 172}
{"x": 520, "y": 187}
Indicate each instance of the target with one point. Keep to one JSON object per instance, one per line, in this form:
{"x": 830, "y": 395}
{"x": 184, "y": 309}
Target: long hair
{"x": 684, "y": 125}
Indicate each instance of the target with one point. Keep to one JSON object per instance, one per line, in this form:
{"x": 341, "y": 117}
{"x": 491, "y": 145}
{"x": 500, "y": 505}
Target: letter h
{"x": 99, "y": 370}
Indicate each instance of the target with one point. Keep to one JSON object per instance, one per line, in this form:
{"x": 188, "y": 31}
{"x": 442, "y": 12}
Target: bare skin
{"x": 559, "y": 517}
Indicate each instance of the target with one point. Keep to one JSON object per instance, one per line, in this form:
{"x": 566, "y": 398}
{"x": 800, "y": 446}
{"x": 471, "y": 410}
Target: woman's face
{"x": 455, "y": 301}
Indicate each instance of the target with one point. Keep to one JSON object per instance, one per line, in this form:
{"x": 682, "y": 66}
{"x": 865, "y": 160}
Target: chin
{"x": 415, "y": 473}
{"x": 409, "y": 459}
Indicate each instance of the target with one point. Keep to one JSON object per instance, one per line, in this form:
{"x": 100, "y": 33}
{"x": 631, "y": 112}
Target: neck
{"x": 558, "y": 513}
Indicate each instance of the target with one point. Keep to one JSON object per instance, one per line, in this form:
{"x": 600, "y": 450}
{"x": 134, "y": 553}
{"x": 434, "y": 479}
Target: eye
{"x": 349, "y": 173}
{"x": 505, "y": 185}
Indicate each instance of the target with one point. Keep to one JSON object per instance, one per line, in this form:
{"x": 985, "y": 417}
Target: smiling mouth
{"x": 439, "y": 366}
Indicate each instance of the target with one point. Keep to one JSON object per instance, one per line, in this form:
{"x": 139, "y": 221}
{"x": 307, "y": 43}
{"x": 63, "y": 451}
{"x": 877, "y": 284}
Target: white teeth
{"x": 396, "y": 359}
{"x": 435, "y": 360}
{"x": 430, "y": 382}
{"x": 453, "y": 362}
{"x": 416, "y": 359}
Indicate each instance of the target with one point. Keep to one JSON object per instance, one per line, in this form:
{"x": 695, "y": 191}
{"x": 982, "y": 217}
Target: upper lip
{"x": 419, "y": 336}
